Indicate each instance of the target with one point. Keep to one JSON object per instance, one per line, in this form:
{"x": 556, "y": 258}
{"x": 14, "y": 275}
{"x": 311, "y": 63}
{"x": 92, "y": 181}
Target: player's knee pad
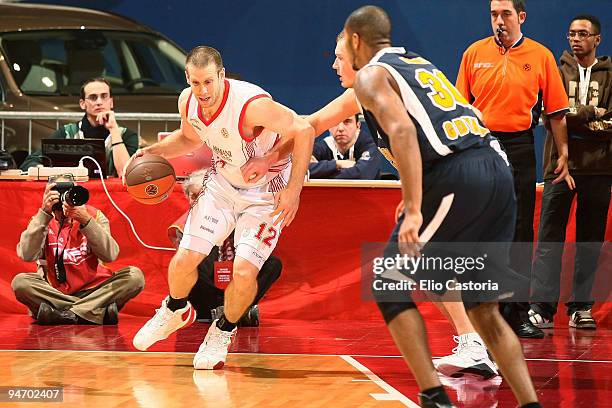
{"x": 271, "y": 269}
{"x": 390, "y": 310}
{"x": 391, "y": 302}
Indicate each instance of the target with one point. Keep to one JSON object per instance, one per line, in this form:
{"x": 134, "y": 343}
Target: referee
{"x": 509, "y": 78}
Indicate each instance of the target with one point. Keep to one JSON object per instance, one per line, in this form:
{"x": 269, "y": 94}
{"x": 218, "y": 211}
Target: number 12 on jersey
{"x": 266, "y": 236}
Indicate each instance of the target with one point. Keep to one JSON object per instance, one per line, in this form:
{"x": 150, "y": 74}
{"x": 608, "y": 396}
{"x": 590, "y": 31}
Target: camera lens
{"x": 76, "y": 196}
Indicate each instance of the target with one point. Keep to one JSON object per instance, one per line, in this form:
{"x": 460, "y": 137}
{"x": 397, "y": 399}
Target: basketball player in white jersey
{"x": 237, "y": 120}
{"x": 470, "y": 355}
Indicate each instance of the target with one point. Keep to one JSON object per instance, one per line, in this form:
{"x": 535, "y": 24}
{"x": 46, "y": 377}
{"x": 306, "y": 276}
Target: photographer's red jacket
{"x": 85, "y": 250}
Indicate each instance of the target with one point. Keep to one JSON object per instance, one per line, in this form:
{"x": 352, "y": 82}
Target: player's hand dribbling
{"x": 563, "y": 173}
{"x": 286, "y": 203}
{"x": 139, "y": 153}
{"x": 408, "y": 237}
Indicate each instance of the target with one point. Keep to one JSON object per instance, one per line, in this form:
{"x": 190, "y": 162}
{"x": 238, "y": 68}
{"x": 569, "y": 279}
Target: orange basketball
{"x": 149, "y": 179}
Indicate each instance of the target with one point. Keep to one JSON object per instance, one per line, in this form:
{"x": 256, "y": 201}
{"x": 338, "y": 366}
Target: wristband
{"x": 117, "y": 143}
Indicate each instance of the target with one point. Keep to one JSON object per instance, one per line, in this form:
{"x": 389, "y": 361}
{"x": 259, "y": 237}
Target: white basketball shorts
{"x": 223, "y": 208}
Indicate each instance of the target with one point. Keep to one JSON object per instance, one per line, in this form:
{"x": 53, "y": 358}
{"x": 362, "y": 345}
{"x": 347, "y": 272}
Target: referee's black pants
{"x": 519, "y": 147}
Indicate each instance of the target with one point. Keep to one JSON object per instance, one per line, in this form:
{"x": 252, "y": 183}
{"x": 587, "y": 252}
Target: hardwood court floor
{"x": 285, "y": 363}
{"x": 125, "y": 379}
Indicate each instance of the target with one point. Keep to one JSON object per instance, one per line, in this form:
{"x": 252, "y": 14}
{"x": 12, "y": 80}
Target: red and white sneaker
{"x": 213, "y": 351}
{"x": 164, "y": 323}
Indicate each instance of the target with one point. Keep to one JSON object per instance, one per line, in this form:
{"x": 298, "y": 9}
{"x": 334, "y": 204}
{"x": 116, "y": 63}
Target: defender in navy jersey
{"x": 456, "y": 184}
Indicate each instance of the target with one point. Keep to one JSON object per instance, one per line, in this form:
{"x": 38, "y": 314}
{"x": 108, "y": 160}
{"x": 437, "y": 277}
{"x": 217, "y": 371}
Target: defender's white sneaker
{"x": 469, "y": 357}
{"x": 213, "y": 351}
{"x": 164, "y": 323}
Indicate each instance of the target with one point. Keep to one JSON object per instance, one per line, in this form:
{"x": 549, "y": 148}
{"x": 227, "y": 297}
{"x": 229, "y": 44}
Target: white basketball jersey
{"x": 231, "y": 149}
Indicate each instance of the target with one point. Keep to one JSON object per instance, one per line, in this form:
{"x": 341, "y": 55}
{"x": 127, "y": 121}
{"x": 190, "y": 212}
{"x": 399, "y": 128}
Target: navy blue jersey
{"x": 446, "y": 123}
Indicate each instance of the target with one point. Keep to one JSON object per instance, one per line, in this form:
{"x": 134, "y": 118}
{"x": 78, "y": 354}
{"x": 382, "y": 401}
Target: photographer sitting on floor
{"x": 71, "y": 242}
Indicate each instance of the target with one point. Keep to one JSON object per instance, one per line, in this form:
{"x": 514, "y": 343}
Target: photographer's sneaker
{"x": 213, "y": 351}
{"x": 164, "y": 323}
{"x": 469, "y": 357}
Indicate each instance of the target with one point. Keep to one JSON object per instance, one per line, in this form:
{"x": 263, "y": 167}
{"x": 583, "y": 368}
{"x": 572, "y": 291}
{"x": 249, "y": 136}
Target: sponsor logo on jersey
{"x": 478, "y": 65}
{"x": 224, "y": 133}
{"x": 225, "y": 154}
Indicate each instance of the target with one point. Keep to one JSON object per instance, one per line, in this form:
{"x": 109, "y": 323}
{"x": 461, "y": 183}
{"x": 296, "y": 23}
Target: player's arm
{"x": 182, "y": 141}
{"x": 177, "y": 143}
{"x": 330, "y": 115}
{"x": 273, "y": 116}
{"x": 334, "y": 112}
{"x": 378, "y": 93}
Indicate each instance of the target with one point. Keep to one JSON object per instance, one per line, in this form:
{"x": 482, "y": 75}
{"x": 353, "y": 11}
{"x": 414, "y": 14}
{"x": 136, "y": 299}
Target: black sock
{"x": 436, "y": 394}
{"x": 532, "y": 405}
{"x": 224, "y": 324}
{"x": 176, "y": 304}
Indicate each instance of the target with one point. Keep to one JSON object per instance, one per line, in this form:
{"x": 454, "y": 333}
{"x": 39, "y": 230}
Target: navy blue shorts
{"x": 469, "y": 212}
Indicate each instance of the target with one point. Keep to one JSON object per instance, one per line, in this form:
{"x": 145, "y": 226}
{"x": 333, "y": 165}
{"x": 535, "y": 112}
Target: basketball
{"x": 149, "y": 179}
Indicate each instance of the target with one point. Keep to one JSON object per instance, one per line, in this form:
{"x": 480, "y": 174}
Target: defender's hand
{"x": 254, "y": 169}
{"x": 286, "y": 203}
{"x": 408, "y": 237}
{"x": 50, "y": 197}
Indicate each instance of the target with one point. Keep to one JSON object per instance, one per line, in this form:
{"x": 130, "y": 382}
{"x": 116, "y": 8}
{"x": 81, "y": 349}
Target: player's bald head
{"x": 371, "y": 23}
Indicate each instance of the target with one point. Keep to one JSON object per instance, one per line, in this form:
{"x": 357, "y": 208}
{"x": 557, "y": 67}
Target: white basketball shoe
{"x": 469, "y": 357}
{"x": 163, "y": 324}
{"x": 213, "y": 351}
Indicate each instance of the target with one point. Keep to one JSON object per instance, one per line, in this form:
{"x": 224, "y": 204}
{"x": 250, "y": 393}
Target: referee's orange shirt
{"x": 509, "y": 88}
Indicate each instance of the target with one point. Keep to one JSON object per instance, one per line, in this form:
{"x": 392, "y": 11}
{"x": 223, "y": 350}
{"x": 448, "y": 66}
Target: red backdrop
{"x": 320, "y": 251}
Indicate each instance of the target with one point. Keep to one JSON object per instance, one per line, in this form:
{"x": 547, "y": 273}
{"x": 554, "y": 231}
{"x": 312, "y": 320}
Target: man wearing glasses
{"x": 588, "y": 82}
{"x": 97, "y": 123}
